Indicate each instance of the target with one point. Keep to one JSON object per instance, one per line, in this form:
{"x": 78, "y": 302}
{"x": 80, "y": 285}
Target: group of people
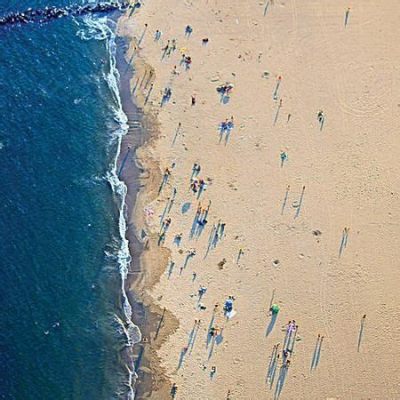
{"x": 289, "y": 341}
{"x": 202, "y": 214}
{"x": 225, "y": 89}
{"x": 227, "y": 125}
{"x": 186, "y": 61}
{"x": 198, "y": 185}
{"x": 169, "y": 48}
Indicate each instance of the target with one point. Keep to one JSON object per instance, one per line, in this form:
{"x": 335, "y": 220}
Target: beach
{"x": 295, "y": 204}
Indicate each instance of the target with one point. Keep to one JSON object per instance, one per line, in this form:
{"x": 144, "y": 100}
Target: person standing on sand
{"x": 174, "y": 389}
{"x": 193, "y": 100}
{"x": 173, "y": 45}
{"x": 241, "y": 252}
{"x": 188, "y": 62}
{"x": 321, "y": 119}
{"x": 188, "y": 30}
{"x": 165, "y": 49}
{"x": 175, "y": 71}
{"x": 278, "y": 83}
{"x": 157, "y": 35}
{"x": 222, "y": 230}
{"x": 283, "y": 157}
{"x": 346, "y": 18}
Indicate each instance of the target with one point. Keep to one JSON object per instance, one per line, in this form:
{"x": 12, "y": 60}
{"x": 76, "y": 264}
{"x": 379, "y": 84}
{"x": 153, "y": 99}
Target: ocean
{"x": 65, "y": 319}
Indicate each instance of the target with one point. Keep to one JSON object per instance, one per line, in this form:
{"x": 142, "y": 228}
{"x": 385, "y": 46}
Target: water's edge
{"x": 129, "y": 174}
{"x": 123, "y": 178}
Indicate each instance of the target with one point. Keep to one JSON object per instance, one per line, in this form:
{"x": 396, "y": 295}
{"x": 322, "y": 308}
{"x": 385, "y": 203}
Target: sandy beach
{"x": 295, "y": 203}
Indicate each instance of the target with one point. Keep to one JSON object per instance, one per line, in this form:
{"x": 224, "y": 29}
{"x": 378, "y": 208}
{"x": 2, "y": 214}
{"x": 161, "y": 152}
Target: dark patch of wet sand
{"x": 142, "y": 177}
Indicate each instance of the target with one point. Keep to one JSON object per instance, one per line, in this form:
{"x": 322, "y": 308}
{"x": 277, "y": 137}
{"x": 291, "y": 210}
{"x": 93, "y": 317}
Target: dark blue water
{"x": 59, "y": 278}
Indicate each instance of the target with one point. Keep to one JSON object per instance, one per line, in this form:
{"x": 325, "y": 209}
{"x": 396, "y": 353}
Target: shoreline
{"x": 141, "y": 175}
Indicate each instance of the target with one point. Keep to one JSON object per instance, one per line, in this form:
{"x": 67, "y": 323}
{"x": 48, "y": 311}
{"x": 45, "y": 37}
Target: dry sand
{"x": 349, "y": 170}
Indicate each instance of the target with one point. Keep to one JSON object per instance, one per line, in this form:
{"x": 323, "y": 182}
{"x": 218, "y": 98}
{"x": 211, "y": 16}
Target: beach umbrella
{"x": 274, "y": 308}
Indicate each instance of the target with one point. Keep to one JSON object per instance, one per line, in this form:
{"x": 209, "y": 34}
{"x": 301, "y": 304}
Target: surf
{"x": 103, "y": 29}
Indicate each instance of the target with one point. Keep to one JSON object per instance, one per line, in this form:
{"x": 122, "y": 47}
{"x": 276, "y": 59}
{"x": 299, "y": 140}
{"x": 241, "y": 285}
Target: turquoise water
{"x": 61, "y": 252}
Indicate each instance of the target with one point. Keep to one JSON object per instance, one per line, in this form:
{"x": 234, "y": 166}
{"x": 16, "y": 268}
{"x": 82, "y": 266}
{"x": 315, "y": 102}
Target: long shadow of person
{"x": 211, "y": 351}
{"x": 193, "y": 338}
{"x": 315, "y": 354}
{"x": 280, "y": 382}
{"x": 360, "y": 335}
{"x": 300, "y": 203}
{"x": 219, "y": 338}
{"x": 225, "y": 99}
{"x": 227, "y": 136}
{"x": 182, "y": 357}
{"x": 210, "y": 325}
{"x": 266, "y": 8}
{"x": 272, "y": 365}
{"x": 271, "y": 324}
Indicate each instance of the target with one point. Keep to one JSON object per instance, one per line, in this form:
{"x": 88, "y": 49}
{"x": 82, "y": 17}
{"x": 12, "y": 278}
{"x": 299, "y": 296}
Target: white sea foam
{"x": 103, "y": 29}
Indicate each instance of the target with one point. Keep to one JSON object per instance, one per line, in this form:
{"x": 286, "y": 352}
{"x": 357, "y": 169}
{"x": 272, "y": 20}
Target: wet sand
{"x": 154, "y": 323}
